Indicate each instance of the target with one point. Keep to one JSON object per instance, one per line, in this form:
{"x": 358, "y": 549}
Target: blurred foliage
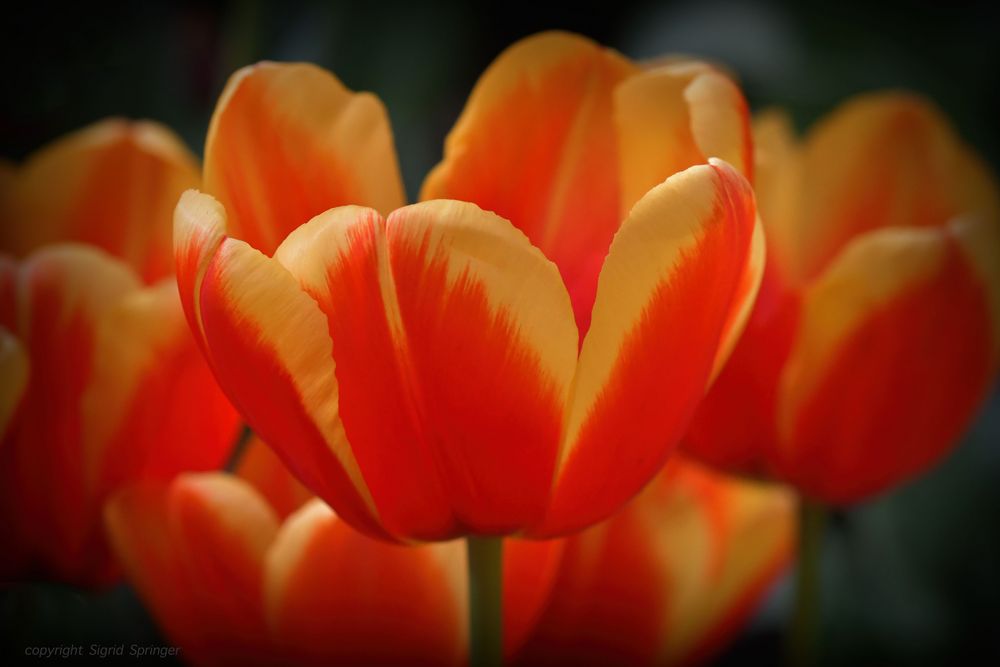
{"x": 910, "y": 578}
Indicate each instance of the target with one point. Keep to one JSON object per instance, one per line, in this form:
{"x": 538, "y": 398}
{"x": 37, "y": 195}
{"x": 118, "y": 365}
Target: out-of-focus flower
{"x": 875, "y": 336}
{"x": 102, "y": 385}
{"x": 435, "y": 374}
{"x": 231, "y": 583}
{"x": 112, "y": 184}
{"x": 668, "y": 581}
{"x": 232, "y": 580}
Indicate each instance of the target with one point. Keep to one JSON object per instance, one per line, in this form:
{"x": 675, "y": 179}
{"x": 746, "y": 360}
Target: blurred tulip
{"x": 231, "y": 581}
{"x": 232, "y": 584}
{"x": 668, "y": 581}
{"x": 875, "y": 336}
{"x": 413, "y": 370}
{"x": 102, "y": 385}
{"x": 112, "y": 184}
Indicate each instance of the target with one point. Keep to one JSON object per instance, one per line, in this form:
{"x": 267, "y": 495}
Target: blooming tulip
{"x": 875, "y": 336}
{"x": 112, "y": 184}
{"x": 106, "y": 386}
{"x": 231, "y": 583}
{"x": 447, "y": 370}
{"x": 667, "y": 581}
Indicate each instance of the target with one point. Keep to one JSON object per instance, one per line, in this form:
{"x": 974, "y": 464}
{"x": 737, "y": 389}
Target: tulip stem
{"x": 803, "y": 636}
{"x": 485, "y": 601}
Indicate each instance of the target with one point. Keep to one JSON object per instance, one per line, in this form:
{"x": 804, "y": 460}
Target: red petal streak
{"x": 485, "y": 400}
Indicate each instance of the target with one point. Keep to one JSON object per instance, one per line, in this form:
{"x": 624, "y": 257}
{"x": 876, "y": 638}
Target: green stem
{"x": 485, "y": 601}
{"x": 804, "y": 632}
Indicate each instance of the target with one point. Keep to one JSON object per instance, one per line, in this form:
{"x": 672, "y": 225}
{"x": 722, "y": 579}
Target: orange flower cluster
{"x": 610, "y": 261}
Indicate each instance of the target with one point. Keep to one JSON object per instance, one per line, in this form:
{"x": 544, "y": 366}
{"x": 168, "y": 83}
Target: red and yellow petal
{"x": 885, "y": 160}
{"x": 289, "y": 141}
{"x": 63, "y": 293}
{"x": 893, "y": 356}
{"x": 151, "y": 408}
{"x": 335, "y": 596}
{"x": 116, "y": 377}
{"x": 113, "y": 184}
{"x": 673, "y": 117}
{"x": 455, "y": 348}
{"x": 196, "y": 552}
{"x": 778, "y": 168}
{"x": 267, "y": 343}
{"x": 537, "y": 144}
{"x": 675, "y": 276}
{"x": 668, "y": 580}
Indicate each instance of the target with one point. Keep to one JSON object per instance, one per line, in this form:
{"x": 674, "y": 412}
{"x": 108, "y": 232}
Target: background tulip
{"x": 111, "y": 184}
{"x": 875, "y": 337}
{"x": 106, "y": 386}
{"x": 668, "y": 581}
{"x": 230, "y": 582}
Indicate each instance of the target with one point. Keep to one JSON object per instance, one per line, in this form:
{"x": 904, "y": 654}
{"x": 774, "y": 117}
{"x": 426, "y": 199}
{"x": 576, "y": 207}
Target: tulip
{"x": 112, "y": 184}
{"x": 361, "y": 346}
{"x": 232, "y": 583}
{"x": 102, "y": 381}
{"x": 668, "y": 581}
{"x": 102, "y": 385}
{"x": 877, "y": 331}
{"x": 875, "y": 336}
{"x": 360, "y": 341}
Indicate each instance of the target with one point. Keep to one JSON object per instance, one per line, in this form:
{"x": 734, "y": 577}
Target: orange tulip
{"x": 438, "y": 372}
{"x": 112, "y": 184}
{"x": 102, "y": 380}
{"x": 102, "y": 384}
{"x": 668, "y": 581}
{"x": 875, "y": 336}
{"x": 231, "y": 583}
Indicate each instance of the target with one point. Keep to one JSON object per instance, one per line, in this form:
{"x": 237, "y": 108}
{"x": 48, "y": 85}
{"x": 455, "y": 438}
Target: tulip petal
{"x": 455, "y": 303}
{"x": 112, "y": 184}
{"x": 676, "y": 116}
{"x": 669, "y": 579}
{"x": 289, "y": 141}
{"x": 335, "y": 596}
{"x": 63, "y": 292}
{"x": 267, "y": 343}
{"x": 667, "y": 295}
{"x": 855, "y": 413}
{"x": 196, "y": 551}
{"x": 116, "y": 377}
{"x": 725, "y": 541}
{"x": 537, "y": 145}
{"x": 778, "y": 187}
{"x": 139, "y": 530}
{"x": 885, "y": 160}
{"x": 152, "y": 407}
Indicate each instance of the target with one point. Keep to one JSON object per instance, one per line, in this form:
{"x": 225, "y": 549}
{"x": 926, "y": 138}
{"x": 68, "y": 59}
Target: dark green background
{"x": 910, "y": 579}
